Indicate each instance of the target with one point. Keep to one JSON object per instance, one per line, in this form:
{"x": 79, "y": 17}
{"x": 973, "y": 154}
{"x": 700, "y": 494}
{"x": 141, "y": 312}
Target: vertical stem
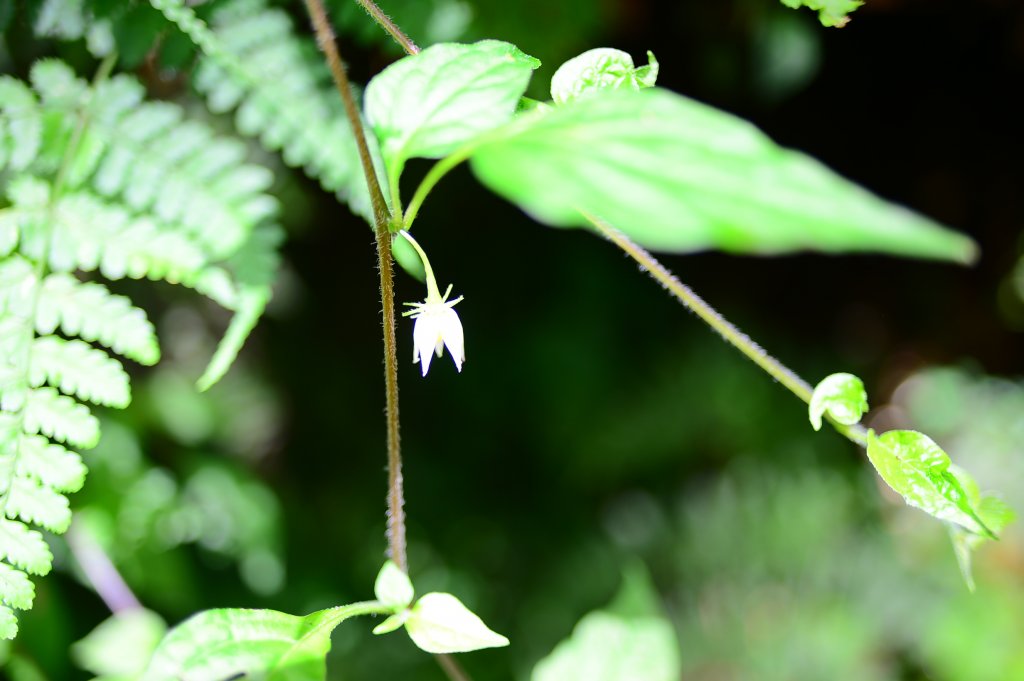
{"x": 739, "y": 340}
{"x": 396, "y": 495}
{"x": 384, "y": 21}
{"x": 452, "y": 668}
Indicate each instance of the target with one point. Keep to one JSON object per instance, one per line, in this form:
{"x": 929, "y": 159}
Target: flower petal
{"x": 451, "y": 332}
{"x": 424, "y": 337}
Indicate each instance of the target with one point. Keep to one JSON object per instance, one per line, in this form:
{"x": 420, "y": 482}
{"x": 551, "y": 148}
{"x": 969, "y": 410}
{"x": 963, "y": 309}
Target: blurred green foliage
{"x": 596, "y": 422}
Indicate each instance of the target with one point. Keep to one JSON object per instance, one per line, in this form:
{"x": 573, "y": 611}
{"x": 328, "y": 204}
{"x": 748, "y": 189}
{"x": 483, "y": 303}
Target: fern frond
{"x": 91, "y": 312}
{"x": 16, "y": 589}
{"x": 37, "y": 504}
{"x": 94, "y": 179}
{"x": 280, "y": 89}
{"x": 17, "y": 283}
{"x": 60, "y": 417}
{"x": 77, "y": 368}
{"x": 81, "y": 231}
{"x": 63, "y": 19}
{"x": 50, "y": 464}
{"x": 8, "y": 623}
{"x": 24, "y": 548}
{"x": 21, "y": 125}
{"x": 180, "y": 171}
{"x": 8, "y": 232}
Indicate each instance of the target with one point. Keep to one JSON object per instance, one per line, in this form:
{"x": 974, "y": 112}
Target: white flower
{"x": 437, "y": 327}
{"x": 437, "y": 324}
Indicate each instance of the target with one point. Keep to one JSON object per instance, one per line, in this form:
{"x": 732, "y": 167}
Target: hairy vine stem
{"x": 381, "y": 218}
{"x": 396, "y": 501}
{"x": 451, "y": 667}
{"x": 384, "y": 21}
{"x": 732, "y": 335}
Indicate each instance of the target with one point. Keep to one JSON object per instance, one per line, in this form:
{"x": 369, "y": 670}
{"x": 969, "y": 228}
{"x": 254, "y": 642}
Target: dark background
{"x": 595, "y": 420}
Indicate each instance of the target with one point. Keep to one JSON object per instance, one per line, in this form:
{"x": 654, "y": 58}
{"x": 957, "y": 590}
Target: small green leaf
{"x": 252, "y": 301}
{"x": 392, "y": 623}
{"x": 393, "y": 587}
{"x": 440, "y": 623}
{"x": 427, "y": 104}
{"x": 629, "y": 641}
{"x": 919, "y": 471}
{"x": 830, "y": 12}
{"x": 842, "y": 396}
{"x": 121, "y": 645}
{"x": 995, "y": 514}
{"x": 677, "y": 175}
{"x": 603, "y": 68}
{"x": 265, "y": 644}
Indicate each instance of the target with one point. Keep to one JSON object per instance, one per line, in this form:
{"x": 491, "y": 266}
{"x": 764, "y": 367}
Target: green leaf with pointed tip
{"x": 252, "y": 302}
{"x": 603, "y": 68}
{"x": 830, "y": 12}
{"x": 629, "y": 640}
{"x": 440, "y": 623}
{"x": 121, "y": 645}
{"x": 995, "y": 514}
{"x": 842, "y": 396}
{"x": 262, "y": 644}
{"x": 919, "y": 471}
{"x": 427, "y": 104}
{"x": 393, "y": 587}
{"x": 677, "y": 175}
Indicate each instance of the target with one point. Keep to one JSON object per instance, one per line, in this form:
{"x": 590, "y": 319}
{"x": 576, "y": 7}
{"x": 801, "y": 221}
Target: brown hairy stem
{"x": 384, "y": 21}
{"x": 381, "y": 218}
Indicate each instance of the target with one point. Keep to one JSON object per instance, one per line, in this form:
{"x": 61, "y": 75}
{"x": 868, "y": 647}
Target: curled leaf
{"x": 603, "y": 68}
{"x": 842, "y": 396}
{"x": 834, "y": 13}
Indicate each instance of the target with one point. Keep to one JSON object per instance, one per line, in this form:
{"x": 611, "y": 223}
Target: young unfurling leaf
{"x": 603, "y": 68}
{"x": 830, "y": 12}
{"x": 842, "y": 397}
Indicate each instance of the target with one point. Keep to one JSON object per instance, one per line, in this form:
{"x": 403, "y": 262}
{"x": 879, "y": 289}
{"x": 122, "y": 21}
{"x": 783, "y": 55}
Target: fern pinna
{"x": 97, "y": 181}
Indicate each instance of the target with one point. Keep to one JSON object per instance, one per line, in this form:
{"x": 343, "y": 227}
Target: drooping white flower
{"x": 437, "y": 324}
